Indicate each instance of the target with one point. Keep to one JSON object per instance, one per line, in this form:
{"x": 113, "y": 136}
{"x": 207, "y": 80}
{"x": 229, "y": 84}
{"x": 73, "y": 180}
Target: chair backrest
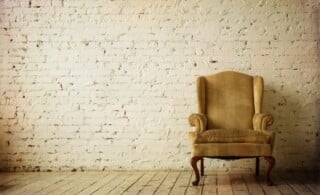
{"x": 229, "y": 99}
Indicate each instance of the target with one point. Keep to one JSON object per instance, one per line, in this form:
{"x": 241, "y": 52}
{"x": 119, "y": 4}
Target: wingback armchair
{"x": 230, "y": 123}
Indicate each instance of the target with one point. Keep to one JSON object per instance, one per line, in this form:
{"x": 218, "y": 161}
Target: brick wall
{"x": 110, "y": 84}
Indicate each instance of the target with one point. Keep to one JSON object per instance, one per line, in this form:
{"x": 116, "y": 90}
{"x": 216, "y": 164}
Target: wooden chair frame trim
{"x": 270, "y": 159}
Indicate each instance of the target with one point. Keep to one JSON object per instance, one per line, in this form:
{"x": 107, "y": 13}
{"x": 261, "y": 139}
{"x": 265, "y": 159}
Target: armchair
{"x": 230, "y": 123}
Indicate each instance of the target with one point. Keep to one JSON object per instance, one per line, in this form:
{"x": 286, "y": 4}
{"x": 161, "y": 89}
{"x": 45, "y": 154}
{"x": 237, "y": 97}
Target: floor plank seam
{"x": 132, "y": 184}
{"x": 175, "y": 182}
{"x": 103, "y": 185}
{"x": 161, "y": 183}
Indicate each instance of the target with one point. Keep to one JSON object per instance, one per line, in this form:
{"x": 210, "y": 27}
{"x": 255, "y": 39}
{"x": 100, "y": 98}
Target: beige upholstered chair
{"x": 230, "y": 123}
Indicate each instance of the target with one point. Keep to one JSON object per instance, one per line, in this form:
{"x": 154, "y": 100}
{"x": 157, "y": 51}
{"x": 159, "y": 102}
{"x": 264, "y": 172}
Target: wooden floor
{"x": 159, "y": 182}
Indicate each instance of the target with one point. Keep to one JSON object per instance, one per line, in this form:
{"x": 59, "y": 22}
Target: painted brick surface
{"x": 104, "y": 84}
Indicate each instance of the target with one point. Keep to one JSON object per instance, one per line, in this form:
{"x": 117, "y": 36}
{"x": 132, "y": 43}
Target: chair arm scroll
{"x": 199, "y": 121}
{"x": 261, "y": 121}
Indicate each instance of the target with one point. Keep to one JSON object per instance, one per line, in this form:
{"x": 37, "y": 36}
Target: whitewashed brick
{"x": 110, "y": 84}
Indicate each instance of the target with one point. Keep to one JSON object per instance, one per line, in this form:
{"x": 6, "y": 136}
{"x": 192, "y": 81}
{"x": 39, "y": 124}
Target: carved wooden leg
{"x": 194, "y": 161}
{"x": 257, "y": 166}
{"x": 202, "y": 167}
{"x": 271, "y": 161}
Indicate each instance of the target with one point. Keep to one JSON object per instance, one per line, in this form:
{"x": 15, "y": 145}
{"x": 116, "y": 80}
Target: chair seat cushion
{"x": 231, "y": 149}
{"x": 231, "y": 136}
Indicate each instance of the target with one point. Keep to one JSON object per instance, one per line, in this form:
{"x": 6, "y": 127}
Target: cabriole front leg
{"x": 271, "y": 161}
{"x": 194, "y": 161}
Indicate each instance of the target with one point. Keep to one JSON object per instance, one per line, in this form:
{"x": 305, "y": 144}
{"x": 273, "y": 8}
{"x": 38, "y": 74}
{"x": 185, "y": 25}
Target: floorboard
{"x": 154, "y": 184}
{"x": 224, "y": 184}
{"x": 182, "y": 183}
{"x": 268, "y": 190}
{"x": 141, "y": 183}
{"x": 311, "y": 181}
{"x": 296, "y": 184}
{"x": 210, "y": 184}
{"x": 158, "y": 183}
{"x": 252, "y": 183}
{"x": 238, "y": 184}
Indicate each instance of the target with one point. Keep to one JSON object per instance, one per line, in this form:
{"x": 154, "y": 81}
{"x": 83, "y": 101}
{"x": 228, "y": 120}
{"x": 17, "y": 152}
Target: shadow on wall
{"x": 6, "y": 144}
{"x": 4, "y": 148}
{"x": 317, "y": 117}
{"x": 297, "y": 117}
{"x": 296, "y": 145}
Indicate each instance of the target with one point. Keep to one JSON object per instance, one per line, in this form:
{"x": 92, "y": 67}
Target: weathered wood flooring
{"x": 156, "y": 182}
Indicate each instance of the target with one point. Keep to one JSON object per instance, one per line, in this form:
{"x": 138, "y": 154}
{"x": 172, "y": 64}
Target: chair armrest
{"x": 261, "y": 121}
{"x": 199, "y": 121}
{"x": 271, "y": 136}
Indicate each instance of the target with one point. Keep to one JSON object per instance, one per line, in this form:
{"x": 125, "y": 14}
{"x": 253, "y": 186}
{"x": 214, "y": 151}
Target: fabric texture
{"x": 231, "y": 136}
{"x": 231, "y": 149}
{"x": 230, "y": 121}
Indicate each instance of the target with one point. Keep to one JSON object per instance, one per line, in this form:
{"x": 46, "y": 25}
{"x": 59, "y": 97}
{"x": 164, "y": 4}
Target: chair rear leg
{"x": 257, "y": 166}
{"x": 202, "y": 167}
